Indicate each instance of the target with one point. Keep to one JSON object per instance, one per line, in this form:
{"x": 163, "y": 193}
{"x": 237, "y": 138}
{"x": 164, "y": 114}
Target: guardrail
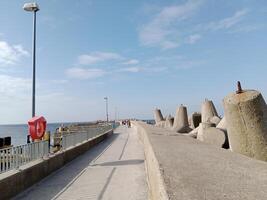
{"x": 14, "y": 157}
{"x": 75, "y": 138}
{"x": 115, "y": 125}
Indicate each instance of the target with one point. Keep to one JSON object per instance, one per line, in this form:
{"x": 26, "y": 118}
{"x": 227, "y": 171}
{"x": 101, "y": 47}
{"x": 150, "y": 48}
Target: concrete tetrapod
{"x": 169, "y": 121}
{"x": 201, "y": 128}
{"x": 180, "y": 123}
{"x": 208, "y": 110}
{"x": 158, "y": 116}
{"x": 216, "y": 137}
{"x": 246, "y": 119}
{"x": 215, "y": 120}
{"x": 195, "y": 120}
{"x": 222, "y": 125}
{"x": 193, "y": 133}
{"x": 209, "y": 134}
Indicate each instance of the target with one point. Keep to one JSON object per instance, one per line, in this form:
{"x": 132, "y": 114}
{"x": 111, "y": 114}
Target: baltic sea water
{"x": 19, "y": 132}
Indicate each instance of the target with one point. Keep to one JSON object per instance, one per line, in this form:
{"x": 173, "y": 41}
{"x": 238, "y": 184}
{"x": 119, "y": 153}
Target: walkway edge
{"x": 156, "y": 186}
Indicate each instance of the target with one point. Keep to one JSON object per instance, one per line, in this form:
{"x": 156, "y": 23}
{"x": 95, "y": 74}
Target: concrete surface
{"x": 114, "y": 169}
{"x": 246, "y": 119}
{"x": 193, "y": 170}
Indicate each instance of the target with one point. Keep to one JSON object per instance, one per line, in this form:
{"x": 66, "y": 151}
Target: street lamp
{"x": 33, "y": 7}
{"x": 106, "y": 98}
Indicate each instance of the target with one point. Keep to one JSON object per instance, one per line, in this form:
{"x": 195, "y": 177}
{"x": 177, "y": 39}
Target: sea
{"x": 19, "y": 132}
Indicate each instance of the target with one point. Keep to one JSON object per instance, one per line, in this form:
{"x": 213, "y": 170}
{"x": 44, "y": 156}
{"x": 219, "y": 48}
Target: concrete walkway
{"x": 114, "y": 169}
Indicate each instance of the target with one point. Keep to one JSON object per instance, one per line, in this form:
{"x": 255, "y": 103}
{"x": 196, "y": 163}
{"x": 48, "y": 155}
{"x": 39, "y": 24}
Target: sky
{"x": 141, "y": 54}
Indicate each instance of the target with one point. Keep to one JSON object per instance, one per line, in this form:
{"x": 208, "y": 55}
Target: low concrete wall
{"x": 15, "y": 181}
{"x": 180, "y": 167}
{"x": 155, "y": 182}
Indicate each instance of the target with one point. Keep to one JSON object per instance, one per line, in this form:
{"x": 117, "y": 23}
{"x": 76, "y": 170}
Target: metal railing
{"x": 14, "y": 157}
{"x": 115, "y": 125}
{"x": 76, "y": 137}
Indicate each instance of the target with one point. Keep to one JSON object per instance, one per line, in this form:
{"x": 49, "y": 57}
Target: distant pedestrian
{"x": 129, "y": 123}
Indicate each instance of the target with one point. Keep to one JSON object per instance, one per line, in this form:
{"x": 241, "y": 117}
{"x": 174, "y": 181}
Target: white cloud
{"x": 82, "y": 73}
{"x": 160, "y": 32}
{"x": 13, "y": 86}
{"x": 59, "y": 81}
{"x": 247, "y": 28}
{"x": 92, "y": 58}
{"x": 131, "y": 62}
{"x": 169, "y": 44}
{"x": 157, "y": 69}
{"x": 228, "y": 22}
{"x": 131, "y": 69}
{"x": 192, "y": 39}
{"x": 166, "y": 28}
{"x": 11, "y": 54}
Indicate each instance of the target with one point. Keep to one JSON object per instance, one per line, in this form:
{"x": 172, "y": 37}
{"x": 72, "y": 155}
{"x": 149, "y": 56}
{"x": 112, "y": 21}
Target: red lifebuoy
{"x": 37, "y": 127}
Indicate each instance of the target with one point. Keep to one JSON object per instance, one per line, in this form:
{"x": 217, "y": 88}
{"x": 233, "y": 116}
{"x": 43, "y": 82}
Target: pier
{"x": 113, "y": 169}
{"x": 133, "y": 100}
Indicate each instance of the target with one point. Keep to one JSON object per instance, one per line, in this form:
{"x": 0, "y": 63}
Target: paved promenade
{"x": 114, "y": 169}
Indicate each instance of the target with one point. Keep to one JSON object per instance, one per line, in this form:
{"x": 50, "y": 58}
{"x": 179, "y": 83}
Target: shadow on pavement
{"x": 121, "y": 163}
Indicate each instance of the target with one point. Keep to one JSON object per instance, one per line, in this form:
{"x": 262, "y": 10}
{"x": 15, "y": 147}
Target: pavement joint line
{"x": 106, "y": 184}
{"x": 124, "y": 146}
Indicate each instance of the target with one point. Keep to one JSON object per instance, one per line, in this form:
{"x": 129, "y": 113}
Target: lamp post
{"x": 33, "y": 7}
{"x": 106, "y": 98}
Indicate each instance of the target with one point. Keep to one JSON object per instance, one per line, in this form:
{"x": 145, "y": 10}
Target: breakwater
{"x": 243, "y": 129}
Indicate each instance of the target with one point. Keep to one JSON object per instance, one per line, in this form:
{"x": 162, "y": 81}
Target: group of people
{"x": 126, "y": 123}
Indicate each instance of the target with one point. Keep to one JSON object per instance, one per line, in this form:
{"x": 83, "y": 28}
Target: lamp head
{"x": 31, "y": 7}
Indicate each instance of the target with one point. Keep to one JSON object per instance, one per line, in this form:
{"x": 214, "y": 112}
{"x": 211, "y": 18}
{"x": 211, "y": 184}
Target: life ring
{"x": 40, "y": 129}
{"x": 37, "y": 127}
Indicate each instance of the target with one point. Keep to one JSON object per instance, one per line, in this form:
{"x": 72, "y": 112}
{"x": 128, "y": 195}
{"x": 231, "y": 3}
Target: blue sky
{"x": 142, "y": 54}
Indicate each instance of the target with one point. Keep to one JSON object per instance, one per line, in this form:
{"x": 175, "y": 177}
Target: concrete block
{"x": 169, "y": 121}
{"x": 161, "y": 124}
{"x": 202, "y": 127}
{"x": 193, "y": 133}
{"x": 215, "y": 137}
{"x": 215, "y": 120}
{"x": 246, "y": 118}
{"x": 208, "y": 110}
{"x": 195, "y": 120}
{"x": 222, "y": 125}
{"x": 181, "y": 124}
{"x": 158, "y": 116}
